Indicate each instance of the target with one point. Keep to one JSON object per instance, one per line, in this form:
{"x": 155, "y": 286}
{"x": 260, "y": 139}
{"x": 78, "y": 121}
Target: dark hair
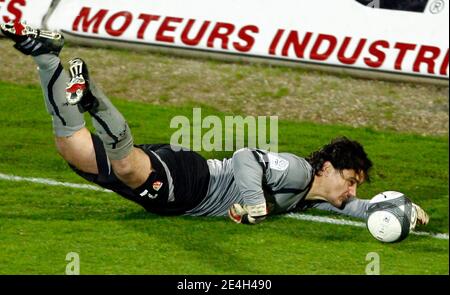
{"x": 343, "y": 153}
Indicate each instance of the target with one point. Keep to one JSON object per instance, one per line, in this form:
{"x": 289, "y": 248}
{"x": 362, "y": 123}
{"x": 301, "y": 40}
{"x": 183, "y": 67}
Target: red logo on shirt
{"x": 157, "y": 185}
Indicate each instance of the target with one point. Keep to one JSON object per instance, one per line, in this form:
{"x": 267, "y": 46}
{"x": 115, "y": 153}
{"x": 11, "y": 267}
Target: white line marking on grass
{"x": 305, "y": 217}
{"x": 323, "y": 219}
{"x": 52, "y": 182}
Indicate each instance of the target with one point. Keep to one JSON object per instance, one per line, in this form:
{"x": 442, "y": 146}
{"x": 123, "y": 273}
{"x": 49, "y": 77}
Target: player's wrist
{"x": 248, "y": 214}
{"x": 258, "y": 210}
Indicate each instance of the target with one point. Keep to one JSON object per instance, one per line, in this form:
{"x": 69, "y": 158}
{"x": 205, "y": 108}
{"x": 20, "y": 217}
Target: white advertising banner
{"x": 32, "y": 11}
{"x": 342, "y": 33}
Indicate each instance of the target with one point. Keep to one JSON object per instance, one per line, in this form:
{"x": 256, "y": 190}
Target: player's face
{"x": 341, "y": 185}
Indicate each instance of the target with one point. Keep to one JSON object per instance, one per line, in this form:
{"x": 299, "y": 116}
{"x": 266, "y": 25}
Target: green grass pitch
{"x": 40, "y": 224}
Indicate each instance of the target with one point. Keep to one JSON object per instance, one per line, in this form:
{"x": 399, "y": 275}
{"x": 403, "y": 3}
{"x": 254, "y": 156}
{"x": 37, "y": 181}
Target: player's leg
{"x": 73, "y": 140}
{"x": 130, "y": 164}
{"x": 77, "y": 149}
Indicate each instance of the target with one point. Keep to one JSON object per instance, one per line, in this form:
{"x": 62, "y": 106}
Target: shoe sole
{"x": 20, "y": 29}
{"x": 32, "y": 41}
{"x": 76, "y": 88}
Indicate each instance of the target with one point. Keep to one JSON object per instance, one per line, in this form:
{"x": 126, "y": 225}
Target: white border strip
{"x": 304, "y": 217}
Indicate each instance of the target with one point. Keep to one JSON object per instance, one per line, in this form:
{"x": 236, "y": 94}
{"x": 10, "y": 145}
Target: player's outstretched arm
{"x": 248, "y": 175}
{"x": 357, "y": 208}
{"x": 353, "y": 208}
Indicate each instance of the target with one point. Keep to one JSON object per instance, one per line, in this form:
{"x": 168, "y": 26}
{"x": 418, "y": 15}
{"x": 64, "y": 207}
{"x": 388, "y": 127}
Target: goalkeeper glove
{"x": 418, "y": 216}
{"x": 248, "y": 214}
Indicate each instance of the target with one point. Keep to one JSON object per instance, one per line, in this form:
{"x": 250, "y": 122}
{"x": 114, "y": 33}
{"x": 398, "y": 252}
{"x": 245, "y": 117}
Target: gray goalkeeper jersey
{"x": 253, "y": 176}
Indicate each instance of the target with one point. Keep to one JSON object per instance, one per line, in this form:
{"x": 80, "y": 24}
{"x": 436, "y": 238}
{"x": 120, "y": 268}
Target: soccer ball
{"x": 390, "y": 216}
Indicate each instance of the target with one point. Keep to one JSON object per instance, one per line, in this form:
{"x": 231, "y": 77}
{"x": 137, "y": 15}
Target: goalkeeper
{"x": 169, "y": 180}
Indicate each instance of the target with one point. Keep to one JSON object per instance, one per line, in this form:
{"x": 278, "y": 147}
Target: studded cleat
{"x": 31, "y": 41}
{"x": 77, "y": 90}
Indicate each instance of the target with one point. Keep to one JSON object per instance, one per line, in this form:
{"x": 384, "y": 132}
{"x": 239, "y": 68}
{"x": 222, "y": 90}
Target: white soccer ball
{"x": 390, "y": 216}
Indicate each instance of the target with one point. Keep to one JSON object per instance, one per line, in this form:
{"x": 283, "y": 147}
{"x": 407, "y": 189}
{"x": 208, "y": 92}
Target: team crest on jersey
{"x": 277, "y": 163}
{"x": 157, "y": 185}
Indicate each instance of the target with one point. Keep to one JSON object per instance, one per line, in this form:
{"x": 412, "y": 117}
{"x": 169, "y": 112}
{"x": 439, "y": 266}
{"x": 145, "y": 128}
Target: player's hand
{"x": 248, "y": 214}
{"x": 422, "y": 216}
{"x": 419, "y": 216}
